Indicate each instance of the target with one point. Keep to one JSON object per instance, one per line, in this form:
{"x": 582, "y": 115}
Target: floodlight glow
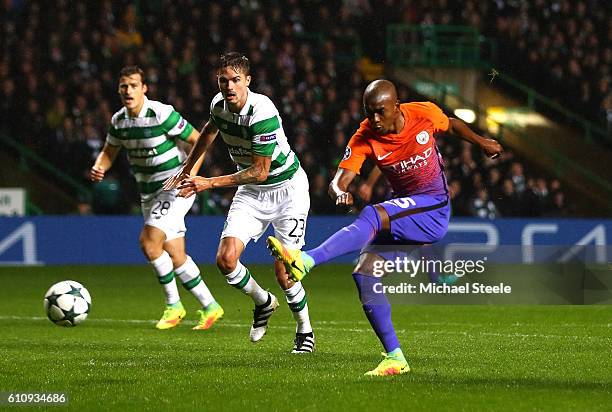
{"x": 467, "y": 115}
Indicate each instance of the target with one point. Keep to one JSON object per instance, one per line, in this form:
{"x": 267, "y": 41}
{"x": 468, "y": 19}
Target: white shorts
{"x": 285, "y": 205}
{"x": 167, "y": 212}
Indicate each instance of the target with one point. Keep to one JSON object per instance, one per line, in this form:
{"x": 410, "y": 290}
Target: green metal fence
{"x": 434, "y": 46}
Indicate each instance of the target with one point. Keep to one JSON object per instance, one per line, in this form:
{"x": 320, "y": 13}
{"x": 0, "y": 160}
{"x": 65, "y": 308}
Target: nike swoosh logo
{"x": 384, "y": 156}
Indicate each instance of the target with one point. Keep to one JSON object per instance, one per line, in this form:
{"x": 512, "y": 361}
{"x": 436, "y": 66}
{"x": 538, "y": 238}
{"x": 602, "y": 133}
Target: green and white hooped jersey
{"x": 150, "y": 142}
{"x": 258, "y": 130}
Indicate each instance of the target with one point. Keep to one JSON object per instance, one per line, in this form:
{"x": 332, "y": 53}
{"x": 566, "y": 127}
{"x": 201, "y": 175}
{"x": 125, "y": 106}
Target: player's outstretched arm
{"x": 256, "y": 173}
{"x": 103, "y": 162}
{"x": 201, "y": 142}
{"x": 491, "y": 147}
{"x": 339, "y": 186}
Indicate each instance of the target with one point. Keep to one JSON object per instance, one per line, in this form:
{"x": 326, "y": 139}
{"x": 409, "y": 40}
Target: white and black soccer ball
{"x": 67, "y": 303}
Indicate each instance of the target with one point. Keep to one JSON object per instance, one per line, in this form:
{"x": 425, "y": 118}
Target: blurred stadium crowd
{"x": 561, "y": 48}
{"x": 59, "y": 63}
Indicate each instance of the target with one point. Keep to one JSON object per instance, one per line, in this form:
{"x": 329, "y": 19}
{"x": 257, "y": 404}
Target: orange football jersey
{"x": 409, "y": 159}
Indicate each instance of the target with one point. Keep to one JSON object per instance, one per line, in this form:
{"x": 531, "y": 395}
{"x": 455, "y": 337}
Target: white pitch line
{"x": 473, "y": 334}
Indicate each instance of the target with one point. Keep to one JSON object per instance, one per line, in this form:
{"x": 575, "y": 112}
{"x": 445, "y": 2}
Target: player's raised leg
{"x": 151, "y": 242}
{"x": 417, "y": 227}
{"x": 240, "y": 277}
{"x": 346, "y": 240}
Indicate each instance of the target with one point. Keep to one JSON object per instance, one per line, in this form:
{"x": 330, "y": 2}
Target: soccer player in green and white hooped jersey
{"x": 148, "y": 130}
{"x": 272, "y": 188}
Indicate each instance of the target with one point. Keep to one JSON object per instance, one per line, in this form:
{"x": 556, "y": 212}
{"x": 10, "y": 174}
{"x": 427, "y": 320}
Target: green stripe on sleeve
{"x": 264, "y": 126}
{"x": 263, "y": 149}
{"x": 186, "y": 132}
{"x": 171, "y": 121}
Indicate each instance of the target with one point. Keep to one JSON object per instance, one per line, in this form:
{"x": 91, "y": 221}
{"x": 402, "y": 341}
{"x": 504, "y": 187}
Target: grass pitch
{"x": 462, "y": 357}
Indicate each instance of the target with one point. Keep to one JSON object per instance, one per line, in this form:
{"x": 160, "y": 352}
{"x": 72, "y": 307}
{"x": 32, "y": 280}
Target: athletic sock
{"x": 189, "y": 274}
{"x": 348, "y": 239}
{"x": 165, "y": 275}
{"x": 241, "y": 278}
{"x": 377, "y": 310}
{"x": 397, "y": 354}
{"x": 296, "y": 299}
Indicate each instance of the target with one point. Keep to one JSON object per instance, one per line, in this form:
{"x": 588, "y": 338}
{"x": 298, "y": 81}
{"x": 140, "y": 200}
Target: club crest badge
{"x": 347, "y": 153}
{"x": 422, "y": 137}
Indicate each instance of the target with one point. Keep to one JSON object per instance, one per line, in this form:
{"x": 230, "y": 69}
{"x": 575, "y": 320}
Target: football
{"x": 67, "y": 303}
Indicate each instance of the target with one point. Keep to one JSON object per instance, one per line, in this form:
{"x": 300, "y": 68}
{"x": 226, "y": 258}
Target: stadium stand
{"x": 559, "y": 47}
{"x": 59, "y": 62}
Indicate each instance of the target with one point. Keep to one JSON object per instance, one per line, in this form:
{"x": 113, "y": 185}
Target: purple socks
{"x": 377, "y": 309}
{"x": 375, "y": 305}
{"x": 348, "y": 239}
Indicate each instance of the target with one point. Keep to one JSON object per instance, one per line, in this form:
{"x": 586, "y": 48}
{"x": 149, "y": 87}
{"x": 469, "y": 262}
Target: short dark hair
{"x": 130, "y": 70}
{"x": 236, "y": 61}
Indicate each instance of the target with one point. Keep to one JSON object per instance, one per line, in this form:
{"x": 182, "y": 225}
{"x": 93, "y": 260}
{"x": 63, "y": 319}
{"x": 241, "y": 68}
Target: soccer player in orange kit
{"x": 400, "y": 139}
